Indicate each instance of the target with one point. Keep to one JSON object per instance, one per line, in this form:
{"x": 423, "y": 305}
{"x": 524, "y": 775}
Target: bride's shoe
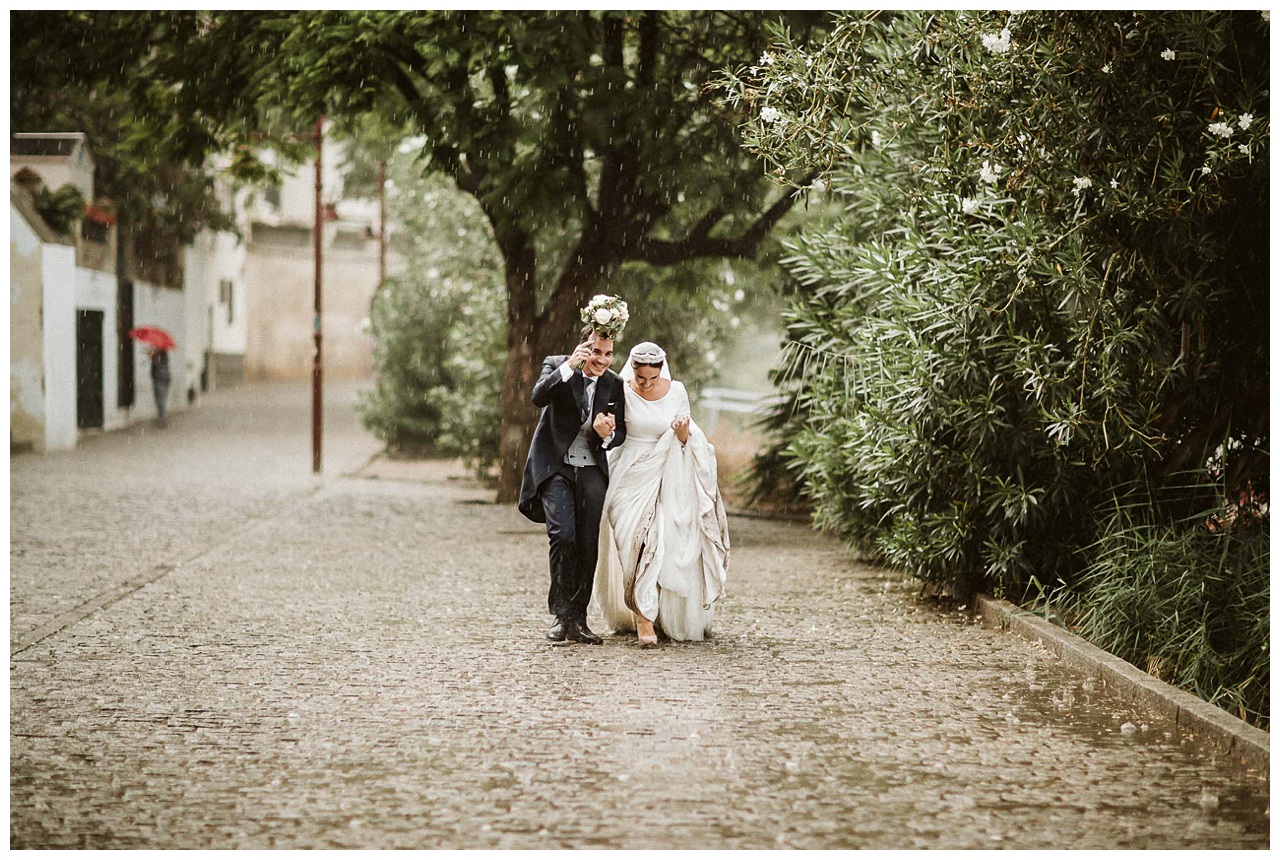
{"x": 644, "y": 630}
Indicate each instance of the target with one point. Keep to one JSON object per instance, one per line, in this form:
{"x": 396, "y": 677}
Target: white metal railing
{"x": 713, "y": 401}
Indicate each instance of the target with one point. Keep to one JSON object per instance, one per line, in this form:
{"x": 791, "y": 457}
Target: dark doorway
{"x": 125, "y": 369}
{"x": 89, "y": 398}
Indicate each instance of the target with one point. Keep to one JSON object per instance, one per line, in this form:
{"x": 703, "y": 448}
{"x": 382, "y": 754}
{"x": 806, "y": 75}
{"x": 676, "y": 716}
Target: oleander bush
{"x": 1049, "y": 286}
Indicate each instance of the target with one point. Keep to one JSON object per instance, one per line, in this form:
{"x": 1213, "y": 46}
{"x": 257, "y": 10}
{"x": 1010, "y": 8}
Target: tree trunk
{"x": 519, "y": 416}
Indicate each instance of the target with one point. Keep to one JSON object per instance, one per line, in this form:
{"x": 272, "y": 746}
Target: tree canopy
{"x": 589, "y": 139}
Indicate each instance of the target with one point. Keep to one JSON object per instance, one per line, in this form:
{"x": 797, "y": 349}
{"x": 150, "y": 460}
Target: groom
{"x": 567, "y": 473}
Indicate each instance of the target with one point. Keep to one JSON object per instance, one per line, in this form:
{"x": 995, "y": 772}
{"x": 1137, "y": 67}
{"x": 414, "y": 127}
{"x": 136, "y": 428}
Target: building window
{"x": 226, "y": 295}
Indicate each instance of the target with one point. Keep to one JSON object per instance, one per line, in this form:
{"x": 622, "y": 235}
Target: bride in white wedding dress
{"x": 664, "y": 539}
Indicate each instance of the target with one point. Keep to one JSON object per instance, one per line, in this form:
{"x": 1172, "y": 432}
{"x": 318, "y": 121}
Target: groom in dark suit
{"x": 567, "y": 473}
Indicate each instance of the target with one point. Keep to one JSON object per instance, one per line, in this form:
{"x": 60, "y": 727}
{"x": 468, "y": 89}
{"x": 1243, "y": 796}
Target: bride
{"x": 664, "y": 539}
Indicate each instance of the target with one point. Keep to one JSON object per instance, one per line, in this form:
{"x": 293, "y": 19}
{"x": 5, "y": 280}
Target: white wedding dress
{"x": 664, "y": 537}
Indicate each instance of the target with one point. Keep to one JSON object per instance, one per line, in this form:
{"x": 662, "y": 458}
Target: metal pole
{"x": 317, "y": 389}
{"x": 382, "y": 223}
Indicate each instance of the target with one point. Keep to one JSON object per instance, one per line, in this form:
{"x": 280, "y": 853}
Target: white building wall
{"x": 298, "y": 186}
{"x": 219, "y": 258}
{"x": 59, "y": 277}
{"x": 26, "y": 340}
{"x": 57, "y": 171}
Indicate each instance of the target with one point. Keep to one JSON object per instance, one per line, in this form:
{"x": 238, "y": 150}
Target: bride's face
{"x": 646, "y": 377}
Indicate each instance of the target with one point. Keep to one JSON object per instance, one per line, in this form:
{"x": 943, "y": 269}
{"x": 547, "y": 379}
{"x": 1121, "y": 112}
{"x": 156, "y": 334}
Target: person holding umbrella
{"x": 160, "y": 381}
{"x": 158, "y": 342}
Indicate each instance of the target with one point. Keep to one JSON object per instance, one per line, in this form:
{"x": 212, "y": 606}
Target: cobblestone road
{"x": 278, "y": 661}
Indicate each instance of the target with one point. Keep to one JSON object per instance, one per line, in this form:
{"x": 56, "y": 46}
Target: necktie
{"x": 588, "y": 389}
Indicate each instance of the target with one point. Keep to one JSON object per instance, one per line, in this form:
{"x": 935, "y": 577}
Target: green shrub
{"x": 439, "y": 328}
{"x": 1050, "y": 279}
{"x": 1187, "y": 605}
{"x": 60, "y": 209}
{"x": 438, "y": 360}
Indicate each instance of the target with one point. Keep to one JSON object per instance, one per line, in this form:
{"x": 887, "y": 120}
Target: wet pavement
{"x": 275, "y": 660}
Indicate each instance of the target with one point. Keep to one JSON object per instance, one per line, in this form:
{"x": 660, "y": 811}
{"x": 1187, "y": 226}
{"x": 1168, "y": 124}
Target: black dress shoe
{"x": 577, "y": 631}
{"x": 557, "y": 631}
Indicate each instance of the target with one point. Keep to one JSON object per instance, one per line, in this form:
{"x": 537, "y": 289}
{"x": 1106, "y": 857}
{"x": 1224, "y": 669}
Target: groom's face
{"x": 601, "y": 355}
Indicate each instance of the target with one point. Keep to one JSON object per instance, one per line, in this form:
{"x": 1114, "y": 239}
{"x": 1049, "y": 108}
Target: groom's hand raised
{"x": 580, "y": 355}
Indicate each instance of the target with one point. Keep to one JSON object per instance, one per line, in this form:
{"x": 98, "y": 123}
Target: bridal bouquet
{"x": 607, "y": 316}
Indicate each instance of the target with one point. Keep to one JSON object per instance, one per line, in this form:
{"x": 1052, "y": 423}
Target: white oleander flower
{"x": 875, "y": 139}
{"x": 997, "y": 44}
{"x": 1169, "y": 54}
{"x": 990, "y": 173}
{"x": 1245, "y": 120}
{"x": 1244, "y": 149}
{"x": 770, "y": 114}
{"x": 969, "y": 205}
{"x": 1106, "y": 69}
{"x": 1081, "y": 183}
{"x": 1205, "y": 171}
{"x": 1221, "y": 129}
{"x": 766, "y": 59}
{"x": 1115, "y": 184}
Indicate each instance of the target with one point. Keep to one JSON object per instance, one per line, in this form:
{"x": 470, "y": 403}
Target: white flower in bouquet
{"x": 607, "y": 316}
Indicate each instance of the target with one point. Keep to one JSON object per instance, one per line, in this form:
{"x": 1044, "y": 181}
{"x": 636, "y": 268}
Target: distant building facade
{"x": 279, "y": 272}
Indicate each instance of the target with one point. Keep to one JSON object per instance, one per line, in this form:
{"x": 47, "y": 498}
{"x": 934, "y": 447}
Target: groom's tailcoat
{"x": 561, "y": 421}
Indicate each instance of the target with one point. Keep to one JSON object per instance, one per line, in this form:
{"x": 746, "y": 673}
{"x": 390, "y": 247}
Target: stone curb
{"x": 1213, "y": 728}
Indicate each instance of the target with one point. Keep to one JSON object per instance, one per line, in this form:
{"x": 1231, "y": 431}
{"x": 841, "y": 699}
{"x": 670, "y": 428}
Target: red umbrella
{"x": 154, "y": 336}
